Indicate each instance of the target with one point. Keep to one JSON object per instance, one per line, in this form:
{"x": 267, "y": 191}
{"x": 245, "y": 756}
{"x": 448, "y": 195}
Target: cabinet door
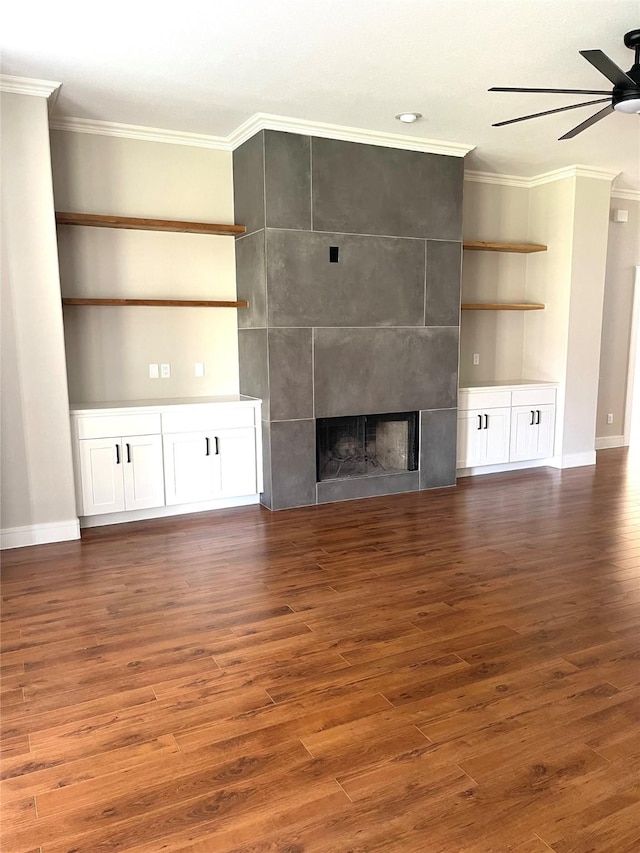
{"x": 235, "y": 461}
{"x": 471, "y": 439}
{"x": 497, "y": 427}
{"x": 188, "y": 467}
{"x": 101, "y": 475}
{"x": 483, "y": 437}
{"x": 142, "y": 469}
{"x": 546, "y": 431}
{"x": 532, "y": 432}
{"x": 524, "y": 433}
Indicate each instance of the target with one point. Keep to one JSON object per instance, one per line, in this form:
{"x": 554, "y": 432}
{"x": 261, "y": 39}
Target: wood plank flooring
{"x": 438, "y": 672}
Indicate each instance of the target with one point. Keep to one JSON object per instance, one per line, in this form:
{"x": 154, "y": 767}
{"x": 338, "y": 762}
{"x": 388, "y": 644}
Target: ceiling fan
{"x": 624, "y": 98}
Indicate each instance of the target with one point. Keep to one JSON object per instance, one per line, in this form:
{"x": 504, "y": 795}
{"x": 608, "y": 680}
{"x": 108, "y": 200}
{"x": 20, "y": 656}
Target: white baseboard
{"x": 165, "y": 511}
{"x": 504, "y": 466}
{"x": 574, "y": 460}
{"x": 571, "y": 460}
{"x": 39, "y": 534}
{"x": 609, "y": 441}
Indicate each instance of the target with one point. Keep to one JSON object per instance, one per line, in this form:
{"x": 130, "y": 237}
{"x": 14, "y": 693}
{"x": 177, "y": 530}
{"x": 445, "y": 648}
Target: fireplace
{"x": 350, "y": 265}
{"x": 366, "y": 445}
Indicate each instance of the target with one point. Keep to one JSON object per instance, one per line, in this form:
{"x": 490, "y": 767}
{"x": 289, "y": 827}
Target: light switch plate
{"x": 199, "y": 368}
{"x": 154, "y": 371}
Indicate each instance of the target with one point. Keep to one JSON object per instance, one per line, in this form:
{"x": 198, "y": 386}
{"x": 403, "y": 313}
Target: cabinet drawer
{"x": 534, "y": 397}
{"x": 483, "y": 399}
{"x": 115, "y": 426}
{"x": 207, "y": 418}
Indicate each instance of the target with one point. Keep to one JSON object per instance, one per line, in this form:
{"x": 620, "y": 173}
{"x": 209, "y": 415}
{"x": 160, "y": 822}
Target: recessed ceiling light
{"x": 408, "y": 118}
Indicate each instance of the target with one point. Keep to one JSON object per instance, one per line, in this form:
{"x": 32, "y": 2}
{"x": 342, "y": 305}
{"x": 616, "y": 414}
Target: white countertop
{"x": 500, "y": 384}
{"x": 141, "y": 405}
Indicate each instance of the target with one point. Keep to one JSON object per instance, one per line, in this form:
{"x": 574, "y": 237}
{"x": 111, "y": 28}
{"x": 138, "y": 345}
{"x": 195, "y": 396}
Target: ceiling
{"x": 206, "y": 67}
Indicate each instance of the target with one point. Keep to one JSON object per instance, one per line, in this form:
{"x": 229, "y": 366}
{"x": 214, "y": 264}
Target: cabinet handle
{"x": 117, "y": 454}
{"x": 533, "y": 418}
{"x": 128, "y": 452}
{"x": 479, "y": 421}
{"x": 486, "y": 421}
{"x": 217, "y": 446}
{"x": 207, "y": 451}
{"x": 538, "y": 421}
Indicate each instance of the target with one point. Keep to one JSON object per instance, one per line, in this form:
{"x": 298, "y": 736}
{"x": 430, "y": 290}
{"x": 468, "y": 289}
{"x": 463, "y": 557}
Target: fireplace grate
{"x": 366, "y": 445}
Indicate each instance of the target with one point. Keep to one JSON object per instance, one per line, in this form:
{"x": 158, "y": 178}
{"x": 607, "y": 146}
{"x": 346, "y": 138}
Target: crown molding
{"x": 266, "y": 121}
{"x": 575, "y": 171}
{"x": 134, "y": 131}
{"x": 48, "y": 89}
{"x": 629, "y": 195}
{"x": 545, "y": 178}
{"x": 27, "y": 86}
{"x": 258, "y": 122}
{"x": 494, "y": 178}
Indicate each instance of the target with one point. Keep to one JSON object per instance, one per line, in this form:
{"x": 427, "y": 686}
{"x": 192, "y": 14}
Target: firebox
{"x": 365, "y": 445}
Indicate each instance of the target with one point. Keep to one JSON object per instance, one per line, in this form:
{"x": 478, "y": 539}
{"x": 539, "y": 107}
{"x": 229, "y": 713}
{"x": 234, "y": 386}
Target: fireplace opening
{"x": 366, "y": 445}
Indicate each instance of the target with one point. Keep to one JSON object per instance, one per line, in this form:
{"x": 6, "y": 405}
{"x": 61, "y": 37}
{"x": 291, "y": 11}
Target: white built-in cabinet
{"x": 532, "y": 432}
{"x": 121, "y": 473}
{"x": 505, "y": 423}
{"x": 202, "y": 466}
{"x": 166, "y": 457}
{"x": 483, "y": 436}
{"x": 188, "y": 467}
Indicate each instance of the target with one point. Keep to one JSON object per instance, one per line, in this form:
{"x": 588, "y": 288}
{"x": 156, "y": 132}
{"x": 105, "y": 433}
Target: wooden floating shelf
{"x": 131, "y": 223}
{"x": 502, "y": 306}
{"x": 519, "y": 248}
{"x": 172, "y": 303}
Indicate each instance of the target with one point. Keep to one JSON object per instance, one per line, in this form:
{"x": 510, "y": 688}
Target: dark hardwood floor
{"x": 438, "y": 672}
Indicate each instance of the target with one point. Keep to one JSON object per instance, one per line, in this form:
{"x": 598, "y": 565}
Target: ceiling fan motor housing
{"x": 626, "y": 99}
{"x": 632, "y": 39}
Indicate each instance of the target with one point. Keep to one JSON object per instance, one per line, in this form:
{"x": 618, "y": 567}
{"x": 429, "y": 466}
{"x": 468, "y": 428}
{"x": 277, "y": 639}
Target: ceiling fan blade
{"x": 608, "y": 67}
{"x": 549, "y": 112}
{"x": 585, "y": 124}
{"x": 552, "y": 91}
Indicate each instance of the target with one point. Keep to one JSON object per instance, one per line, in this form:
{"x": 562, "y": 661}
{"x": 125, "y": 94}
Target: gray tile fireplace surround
{"x": 375, "y": 332}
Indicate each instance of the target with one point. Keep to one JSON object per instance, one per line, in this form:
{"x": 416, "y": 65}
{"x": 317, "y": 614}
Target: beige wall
{"x": 551, "y": 211}
{"x": 493, "y": 212}
{"x": 545, "y": 341}
{"x": 37, "y": 474}
{"x": 589, "y": 255}
{"x": 622, "y": 257}
{"x": 562, "y": 342}
{"x": 109, "y": 349}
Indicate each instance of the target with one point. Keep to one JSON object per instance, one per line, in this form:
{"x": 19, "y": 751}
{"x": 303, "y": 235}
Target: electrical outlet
{"x": 199, "y": 368}
{"x": 610, "y": 418}
{"x": 476, "y": 358}
{"x": 154, "y": 372}
{"x": 165, "y": 371}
